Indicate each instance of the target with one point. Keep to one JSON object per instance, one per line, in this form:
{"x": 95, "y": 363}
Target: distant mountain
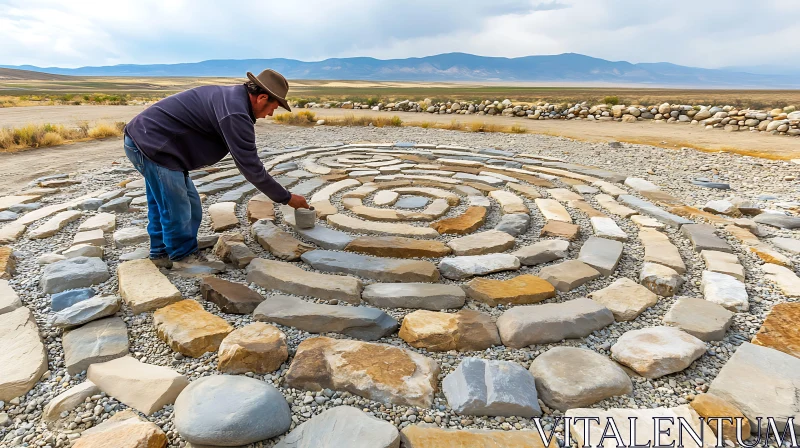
{"x": 17, "y": 75}
{"x": 563, "y": 68}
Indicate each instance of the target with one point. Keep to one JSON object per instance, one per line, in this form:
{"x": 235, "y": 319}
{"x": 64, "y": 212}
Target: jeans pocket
{"x": 136, "y": 157}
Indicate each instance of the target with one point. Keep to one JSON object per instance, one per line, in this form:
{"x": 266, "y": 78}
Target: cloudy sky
{"x": 93, "y": 32}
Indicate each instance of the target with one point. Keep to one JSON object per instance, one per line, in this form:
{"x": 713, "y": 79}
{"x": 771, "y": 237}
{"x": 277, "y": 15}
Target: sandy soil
{"x": 20, "y": 116}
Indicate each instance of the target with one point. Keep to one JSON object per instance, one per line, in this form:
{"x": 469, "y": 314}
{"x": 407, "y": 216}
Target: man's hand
{"x": 298, "y": 201}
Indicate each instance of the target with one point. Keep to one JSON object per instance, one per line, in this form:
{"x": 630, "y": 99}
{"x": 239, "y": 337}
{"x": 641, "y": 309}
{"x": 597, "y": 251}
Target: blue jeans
{"x": 174, "y": 211}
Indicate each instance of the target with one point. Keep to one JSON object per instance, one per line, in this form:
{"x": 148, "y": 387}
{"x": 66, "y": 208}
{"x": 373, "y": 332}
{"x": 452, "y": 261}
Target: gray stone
{"x": 90, "y": 204}
{"x": 138, "y": 254}
{"x": 206, "y": 241}
{"x": 601, "y": 254}
{"x": 320, "y": 235}
{"x": 569, "y": 274}
{"x": 545, "y": 323}
{"x": 98, "y": 341}
{"x": 359, "y": 322}
{"x": 657, "y": 351}
{"x": 73, "y": 273}
{"x": 491, "y": 388}
{"x": 118, "y": 205}
{"x": 496, "y": 152}
{"x": 790, "y": 245}
{"x": 411, "y": 202}
{"x": 542, "y": 252}
{"x": 725, "y": 290}
{"x": 426, "y": 296}
{"x": 130, "y": 236}
{"x": 761, "y": 382}
{"x": 652, "y": 210}
{"x": 305, "y": 187}
{"x": 228, "y": 410}
{"x": 778, "y": 220}
{"x": 238, "y": 194}
{"x": 286, "y": 277}
{"x": 700, "y": 318}
{"x": 107, "y": 196}
{"x": 66, "y": 299}
{"x": 83, "y": 250}
{"x": 221, "y": 185}
{"x": 376, "y": 268}
{"x": 86, "y": 311}
{"x": 7, "y": 215}
{"x": 514, "y": 224}
{"x": 22, "y": 208}
{"x": 459, "y": 268}
{"x": 715, "y": 185}
{"x": 703, "y": 238}
{"x": 230, "y": 297}
{"x": 660, "y": 279}
{"x": 342, "y": 427}
{"x": 572, "y": 377}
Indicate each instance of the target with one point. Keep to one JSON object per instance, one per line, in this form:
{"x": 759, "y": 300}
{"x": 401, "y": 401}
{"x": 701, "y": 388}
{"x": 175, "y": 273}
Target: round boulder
{"x": 224, "y": 410}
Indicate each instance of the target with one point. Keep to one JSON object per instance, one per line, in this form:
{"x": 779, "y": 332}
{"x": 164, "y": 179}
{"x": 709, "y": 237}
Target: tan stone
{"x": 279, "y": 243}
{"x": 257, "y": 347}
{"x": 435, "y": 193}
{"x": 440, "y": 332}
{"x": 509, "y": 202}
{"x": 552, "y": 210}
{"x": 54, "y": 224}
{"x": 560, "y": 229}
{"x": 8, "y": 262}
{"x": 106, "y": 222}
{"x": 490, "y": 241}
{"x": 614, "y": 207}
{"x": 398, "y": 247}
{"x": 467, "y": 222}
{"x": 587, "y": 208}
{"x": 23, "y": 358}
{"x": 11, "y": 232}
{"x": 724, "y": 263}
{"x": 520, "y": 290}
{"x": 564, "y": 195}
{"x": 525, "y": 190}
{"x": 786, "y": 279}
{"x": 356, "y": 225}
{"x": 417, "y": 436}
{"x": 260, "y": 207}
{"x": 780, "y": 330}
{"x": 379, "y": 372}
{"x": 189, "y": 329}
{"x": 223, "y": 216}
{"x": 143, "y": 287}
{"x": 10, "y": 201}
{"x": 625, "y": 298}
{"x": 324, "y": 209}
{"x": 69, "y": 400}
{"x": 123, "y": 430}
{"x": 144, "y": 387}
{"x": 710, "y": 406}
{"x": 658, "y": 249}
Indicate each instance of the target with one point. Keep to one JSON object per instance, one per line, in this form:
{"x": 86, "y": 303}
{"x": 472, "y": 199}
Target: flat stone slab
{"x": 725, "y": 290}
{"x": 571, "y": 377}
{"x": 98, "y": 341}
{"x": 569, "y": 274}
{"x": 625, "y": 298}
{"x": 777, "y": 375}
{"x": 525, "y": 190}
{"x": 509, "y": 202}
{"x": 358, "y": 322}
{"x": 231, "y": 411}
{"x": 542, "y": 252}
{"x": 260, "y": 207}
{"x": 428, "y": 296}
{"x": 787, "y": 281}
{"x": 662, "y": 280}
{"x": 356, "y": 225}
{"x": 288, "y": 278}
{"x": 602, "y": 254}
{"x": 779, "y": 330}
{"x": 66, "y": 299}
{"x": 94, "y": 237}
{"x": 106, "y": 222}
{"x": 11, "y": 232}
{"x": 223, "y": 216}
{"x": 491, "y": 388}
{"x": 343, "y": 426}
{"x": 379, "y": 372}
{"x": 54, "y": 224}
{"x": 778, "y": 220}
{"x": 410, "y": 202}
{"x": 481, "y": 243}
{"x": 230, "y": 297}
{"x": 545, "y": 323}
{"x": 614, "y": 207}
{"x": 279, "y": 243}
{"x": 647, "y": 222}
{"x": 649, "y": 209}
{"x": 723, "y": 263}
{"x": 143, "y": 287}
{"x": 553, "y": 211}
{"x": 700, "y": 318}
{"x": 659, "y": 249}
{"x": 85, "y": 311}
{"x": 426, "y": 436}
{"x": 23, "y": 357}
{"x": 607, "y": 228}
{"x": 130, "y": 236}
{"x": 73, "y": 273}
{"x": 376, "y": 268}
{"x": 466, "y": 330}
{"x": 657, "y": 351}
{"x": 560, "y": 229}
{"x": 458, "y": 268}
{"x": 514, "y": 224}
{"x": 469, "y": 221}
{"x": 189, "y": 329}
{"x": 703, "y": 238}
{"x": 790, "y": 245}
{"x": 385, "y": 198}
{"x": 398, "y": 247}
{"x": 520, "y": 290}
{"x": 9, "y": 299}
{"x": 69, "y": 400}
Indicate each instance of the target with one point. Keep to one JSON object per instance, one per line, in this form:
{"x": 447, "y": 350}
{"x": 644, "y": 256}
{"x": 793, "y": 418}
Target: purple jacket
{"x": 199, "y": 127}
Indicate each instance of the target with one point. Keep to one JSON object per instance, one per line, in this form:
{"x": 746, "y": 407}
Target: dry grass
{"x": 302, "y": 118}
{"x": 308, "y": 118}
{"x": 43, "y": 135}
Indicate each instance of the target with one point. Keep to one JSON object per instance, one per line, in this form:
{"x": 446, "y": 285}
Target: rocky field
{"x": 456, "y": 290}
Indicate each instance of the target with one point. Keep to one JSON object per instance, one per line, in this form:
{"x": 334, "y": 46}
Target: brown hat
{"x": 274, "y": 83}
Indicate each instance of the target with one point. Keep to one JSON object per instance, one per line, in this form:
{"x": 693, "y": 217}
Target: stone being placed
{"x": 288, "y": 278}
{"x": 463, "y": 331}
{"x": 227, "y": 410}
{"x": 491, "y": 388}
{"x": 358, "y": 322}
{"x": 23, "y": 358}
{"x": 542, "y": 324}
{"x": 189, "y": 329}
{"x": 280, "y": 244}
{"x": 143, "y": 287}
{"x": 625, "y": 298}
{"x": 379, "y": 372}
{"x": 780, "y": 330}
{"x": 662, "y": 280}
{"x": 376, "y": 268}
{"x": 85, "y": 311}
{"x": 571, "y": 377}
{"x": 602, "y": 254}
{"x": 230, "y": 297}
{"x": 514, "y": 224}
{"x": 725, "y": 290}
{"x": 459, "y": 268}
{"x": 345, "y": 427}
{"x": 258, "y": 347}
{"x": 608, "y": 229}
{"x": 73, "y": 273}
{"x": 428, "y": 296}
{"x": 481, "y": 243}
{"x": 569, "y": 274}
{"x": 700, "y": 318}
{"x": 703, "y": 238}
{"x": 657, "y": 351}
{"x": 542, "y": 252}
{"x": 520, "y": 290}
{"x": 98, "y": 341}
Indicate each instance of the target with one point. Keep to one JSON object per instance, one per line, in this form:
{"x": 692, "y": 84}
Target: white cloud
{"x": 94, "y": 32}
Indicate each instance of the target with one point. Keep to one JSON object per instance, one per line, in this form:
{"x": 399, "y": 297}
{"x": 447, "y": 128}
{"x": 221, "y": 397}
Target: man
{"x": 193, "y": 129}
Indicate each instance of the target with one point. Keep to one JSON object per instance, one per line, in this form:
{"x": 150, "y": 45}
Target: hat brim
{"x": 282, "y": 101}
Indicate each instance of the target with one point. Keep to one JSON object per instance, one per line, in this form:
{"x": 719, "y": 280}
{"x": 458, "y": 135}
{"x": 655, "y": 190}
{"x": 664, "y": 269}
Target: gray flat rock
{"x": 288, "y": 278}
{"x": 130, "y": 236}
{"x": 73, "y": 273}
{"x": 98, "y": 341}
{"x": 376, "y": 268}
{"x": 426, "y": 296}
{"x": 66, "y": 299}
{"x": 322, "y": 236}
{"x": 790, "y": 245}
{"x": 458, "y": 268}
{"x": 86, "y": 311}
{"x": 700, "y": 318}
{"x": 652, "y": 210}
{"x": 542, "y": 252}
{"x": 118, "y": 205}
{"x": 238, "y": 194}
{"x": 221, "y": 185}
{"x": 306, "y": 187}
{"x": 359, "y": 322}
{"x": 601, "y": 254}
{"x": 703, "y": 238}
{"x": 8, "y": 215}
{"x": 514, "y": 224}
{"x": 342, "y": 427}
{"x": 407, "y": 202}
{"x": 491, "y": 388}
{"x": 778, "y": 220}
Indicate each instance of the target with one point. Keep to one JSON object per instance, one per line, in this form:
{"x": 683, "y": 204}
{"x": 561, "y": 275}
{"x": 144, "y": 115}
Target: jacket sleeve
{"x": 240, "y": 137}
